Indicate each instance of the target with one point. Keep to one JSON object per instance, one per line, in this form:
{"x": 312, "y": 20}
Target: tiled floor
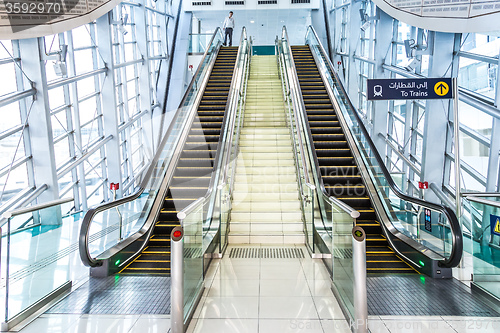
{"x": 268, "y": 295}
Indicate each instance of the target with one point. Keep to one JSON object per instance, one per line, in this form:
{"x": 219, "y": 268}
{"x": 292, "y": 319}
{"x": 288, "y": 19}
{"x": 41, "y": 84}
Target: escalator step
{"x": 192, "y": 174}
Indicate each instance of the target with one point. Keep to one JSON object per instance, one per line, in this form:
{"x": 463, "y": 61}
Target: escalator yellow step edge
{"x": 383, "y": 261}
{"x": 192, "y": 158}
{"x": 149, "y": 273}
{"x": 148, "y": 269}
{"x": 184, "y": 199}
{"x": 392, "y": 269}
{"x": 379, "y": 252}
{"x": 345, "y": 186}
{"x": 187, "y": 188}
{"x": 159, "y": 239}
{"x": 203, "y": 177}
{"x": 152, "y": 261}
{"x": 156, "y": 252}
{"x": 347, "y": 176}
{"x": 200, "y": 167}
{"x": 336, "y": 157}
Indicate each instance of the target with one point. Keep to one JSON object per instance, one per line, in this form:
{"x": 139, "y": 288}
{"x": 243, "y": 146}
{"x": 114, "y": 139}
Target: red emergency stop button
{"x": 177, "y": 233}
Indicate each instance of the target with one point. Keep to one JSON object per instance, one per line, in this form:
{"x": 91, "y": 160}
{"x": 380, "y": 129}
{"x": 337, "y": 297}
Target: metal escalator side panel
{"x": 120, "y": 254}
{"x": 339, "y": 170}
{"x": 199, "y": 154}
{"x": 420, "y": 256}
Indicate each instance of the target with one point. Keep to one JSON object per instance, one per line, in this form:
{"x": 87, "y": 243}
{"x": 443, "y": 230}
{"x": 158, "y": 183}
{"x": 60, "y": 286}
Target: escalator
{"x": 339, "y": 172}
{"x": 192, "y": 174}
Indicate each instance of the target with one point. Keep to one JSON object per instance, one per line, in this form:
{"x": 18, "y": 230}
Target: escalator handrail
{"x": 231, "y": 112}
{"x": 345, "y": 207}
{"x": 457, "y": 241}
{"x": 229, "y": 142}
{"x": 88, "y": 218}
{"x": 228, "y": 126}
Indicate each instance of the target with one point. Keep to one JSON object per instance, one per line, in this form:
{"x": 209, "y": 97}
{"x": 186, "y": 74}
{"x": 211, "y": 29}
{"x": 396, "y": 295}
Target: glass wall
{"x": 79, "y": 130}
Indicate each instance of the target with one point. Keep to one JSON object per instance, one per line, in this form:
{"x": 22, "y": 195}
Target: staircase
{"x": 265, "y": 206}
{"x": 194, "y": 170}
{"x": 339, "y": 171}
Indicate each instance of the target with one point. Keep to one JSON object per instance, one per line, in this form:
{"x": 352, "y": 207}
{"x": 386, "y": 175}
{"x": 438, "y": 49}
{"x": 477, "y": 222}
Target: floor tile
{"x": 287, "y": 308}
{"x": 336, "y": 326}
{"x": 231, "y": 288}
{"x": 284, "y": 288}
{"x": 328, "y": 307}
{"x": 51, "y": 323}
{"x": 289, "y": 326}
{"x": 151, "y": 324}
{"x": 409, "y": 325}
{"x": 228, "y": 325}
{"x": 230, "y": 307}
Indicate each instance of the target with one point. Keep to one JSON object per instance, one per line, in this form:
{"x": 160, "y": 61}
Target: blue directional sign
{"x": 390, "y": 89}
{"x": 495, "y": 224}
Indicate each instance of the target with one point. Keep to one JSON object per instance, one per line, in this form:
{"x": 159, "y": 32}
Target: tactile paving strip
{"x": 276, "y": 253}
{"x": 118, "y": 295}
{"x": 422, "y": 296}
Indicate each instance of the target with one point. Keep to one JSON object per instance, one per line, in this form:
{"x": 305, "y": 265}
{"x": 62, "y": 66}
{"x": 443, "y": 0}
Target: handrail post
{"x": 359, "y": 271}
{"x": 177, "y": 280}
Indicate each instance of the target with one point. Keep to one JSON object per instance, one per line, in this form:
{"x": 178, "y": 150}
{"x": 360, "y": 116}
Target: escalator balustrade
{"x": 192, "y": 175}
{"x": 339, "y": 171}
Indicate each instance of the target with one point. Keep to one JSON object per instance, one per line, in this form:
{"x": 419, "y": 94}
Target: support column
{"x": 354, "y": 40}
{"x": 437, "y": 114}
{"x": 42, "y": 144}
{"x": 383, "y": 46}
{"x": 108, "y": 96}
{"x": 145, "y": 98}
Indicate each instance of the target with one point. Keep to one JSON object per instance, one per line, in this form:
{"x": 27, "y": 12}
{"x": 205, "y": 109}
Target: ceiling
{"x": 262, "y": 24}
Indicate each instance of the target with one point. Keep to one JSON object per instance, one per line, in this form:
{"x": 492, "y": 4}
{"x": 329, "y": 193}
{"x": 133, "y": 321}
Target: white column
{"x": 108, "y": 97}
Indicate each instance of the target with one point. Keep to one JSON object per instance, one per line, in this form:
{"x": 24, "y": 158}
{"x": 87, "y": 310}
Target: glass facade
{"x": 69, "y": 86}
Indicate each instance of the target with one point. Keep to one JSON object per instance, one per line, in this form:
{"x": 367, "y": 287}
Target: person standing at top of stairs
{"x": 228, "y": 29}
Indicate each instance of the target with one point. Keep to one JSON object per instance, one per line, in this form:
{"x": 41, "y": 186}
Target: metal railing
{"x": 228, "y": 143}
{"x": 364, "y": 142}
{"x": 329, "y": 205}
{"x": 161, "y": 168}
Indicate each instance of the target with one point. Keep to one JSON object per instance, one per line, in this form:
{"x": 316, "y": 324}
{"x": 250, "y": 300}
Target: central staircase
{"x": 265, "y": 206}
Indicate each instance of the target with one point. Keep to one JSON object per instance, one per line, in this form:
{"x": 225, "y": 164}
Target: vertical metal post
{"x": 456, "y": 134}
{"x": 177, "y": 280}
{"x": 359, "y": 273}
{"x": 7, "y": 272}
{"x": 456, "y": 130}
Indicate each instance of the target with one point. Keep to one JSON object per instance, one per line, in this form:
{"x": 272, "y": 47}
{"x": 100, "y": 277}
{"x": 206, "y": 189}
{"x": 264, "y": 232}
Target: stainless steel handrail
{"x": 293, "y": 72}
{"x": 233, "y": 93}
{"x": 87, "y": 220}
{"x": 12, "y": 213}
{"x": 480, "y": 194}
{"x": 457, "y": 248}
{"x": 484, "y": 201}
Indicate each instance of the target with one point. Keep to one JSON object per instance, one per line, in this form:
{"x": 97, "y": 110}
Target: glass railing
{"x": 207, "y": 217}
{"x": 323, "y": 215}
{"x": 198, "y": 42}
{"x": 429, "y": 226}
{"x": 486, "y": 241}
{"x": 225, "y": 187}
{"x": 35, "y": 263}
{"x": 321, "y": 212}
{"x": 132, "y": 216}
